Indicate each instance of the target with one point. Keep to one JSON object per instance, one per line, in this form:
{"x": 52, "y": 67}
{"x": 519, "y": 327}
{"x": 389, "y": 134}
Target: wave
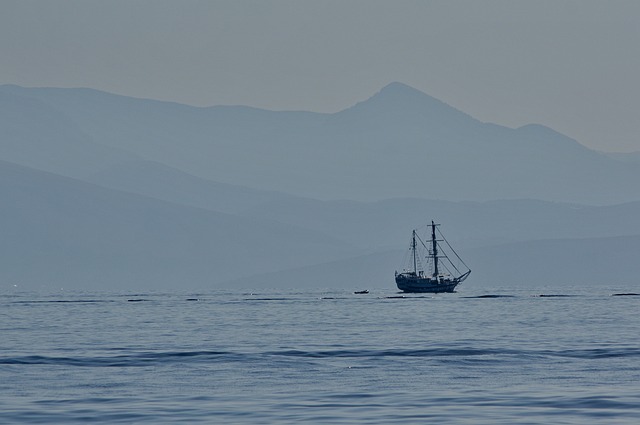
{"x": 554, "y": 296}
{"x": 492, "y": 296}
{"x": 151, "y": 358}
{"x": 269, "y": 299}
{"x": 134, "y": 359}
{"x": 60, "y": 301}
{"x": 406, "y": 297}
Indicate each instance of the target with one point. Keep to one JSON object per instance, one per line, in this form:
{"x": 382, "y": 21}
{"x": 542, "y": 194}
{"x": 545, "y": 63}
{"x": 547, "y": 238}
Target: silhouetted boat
{"x": 366, "y": 291}
{"x": 443, "y": 274}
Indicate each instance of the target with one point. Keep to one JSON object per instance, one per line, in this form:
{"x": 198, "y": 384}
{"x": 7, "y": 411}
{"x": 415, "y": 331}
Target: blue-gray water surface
{"x": 568, "y": 356}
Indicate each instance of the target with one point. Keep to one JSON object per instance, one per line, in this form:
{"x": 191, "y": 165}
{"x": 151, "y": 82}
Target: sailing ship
{"x": 443, "y": 274}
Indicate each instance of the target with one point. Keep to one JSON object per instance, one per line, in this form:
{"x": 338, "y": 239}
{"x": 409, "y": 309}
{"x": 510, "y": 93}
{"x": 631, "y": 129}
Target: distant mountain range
{"x": 62, "y": 232}
{"x": 114, "y": 192}
{"x": 632, "y": 157}
{"x": 550, "y": 265}
{"x": 399, "y": 143}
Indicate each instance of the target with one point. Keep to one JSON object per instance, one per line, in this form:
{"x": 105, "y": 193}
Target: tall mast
{"x": 434, "y": 245}
{"x": 413, "y": 247}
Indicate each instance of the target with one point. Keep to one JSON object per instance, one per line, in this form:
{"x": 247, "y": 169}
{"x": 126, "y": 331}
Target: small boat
{"x": 443, "y": 276}
{"x": 366, "y": 291}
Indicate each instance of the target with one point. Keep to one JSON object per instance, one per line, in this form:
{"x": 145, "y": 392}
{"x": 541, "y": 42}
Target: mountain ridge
{"x": 157, "y": 192}
{"x": 560, "y": 261}
{"x": 379, "y": 148}
{"x": 63, "y": 231}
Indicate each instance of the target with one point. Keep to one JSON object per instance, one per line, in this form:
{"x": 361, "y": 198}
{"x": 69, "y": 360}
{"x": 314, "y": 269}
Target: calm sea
{"x": 569, "y": 356}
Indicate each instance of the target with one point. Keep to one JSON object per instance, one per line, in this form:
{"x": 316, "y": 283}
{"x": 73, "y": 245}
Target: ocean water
{"x": 500, "y": 356}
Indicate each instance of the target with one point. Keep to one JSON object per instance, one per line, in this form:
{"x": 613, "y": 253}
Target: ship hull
{"x": 421, "y": 284}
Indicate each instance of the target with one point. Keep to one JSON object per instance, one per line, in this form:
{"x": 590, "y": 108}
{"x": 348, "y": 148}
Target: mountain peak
{"x": 398, "y": 87}
{"x": 396, "y": 99}
{"x": 402, "y": 92}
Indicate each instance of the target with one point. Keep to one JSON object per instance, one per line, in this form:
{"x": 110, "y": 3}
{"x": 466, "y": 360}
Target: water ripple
{"x": 150, "y": 358}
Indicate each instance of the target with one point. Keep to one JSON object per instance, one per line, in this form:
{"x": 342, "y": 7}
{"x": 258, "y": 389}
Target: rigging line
{"x": 453, "y": 250}
{"x": 430, "y": 259}
{"x": 423, "y": 244}
{"x": 406, "y": 260}
{"x": 449, "y": 259}
{"x": 454, "y": 266}
{"x": 444, "y": 266}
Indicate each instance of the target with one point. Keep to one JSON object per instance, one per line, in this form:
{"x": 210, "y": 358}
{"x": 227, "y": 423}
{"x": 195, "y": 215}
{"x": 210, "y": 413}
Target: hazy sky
{"x": 571, "y": 65}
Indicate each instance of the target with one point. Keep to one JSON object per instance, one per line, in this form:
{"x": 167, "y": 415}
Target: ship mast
{"x": 434, "y": 245}
{"x": 413, "y": 248}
